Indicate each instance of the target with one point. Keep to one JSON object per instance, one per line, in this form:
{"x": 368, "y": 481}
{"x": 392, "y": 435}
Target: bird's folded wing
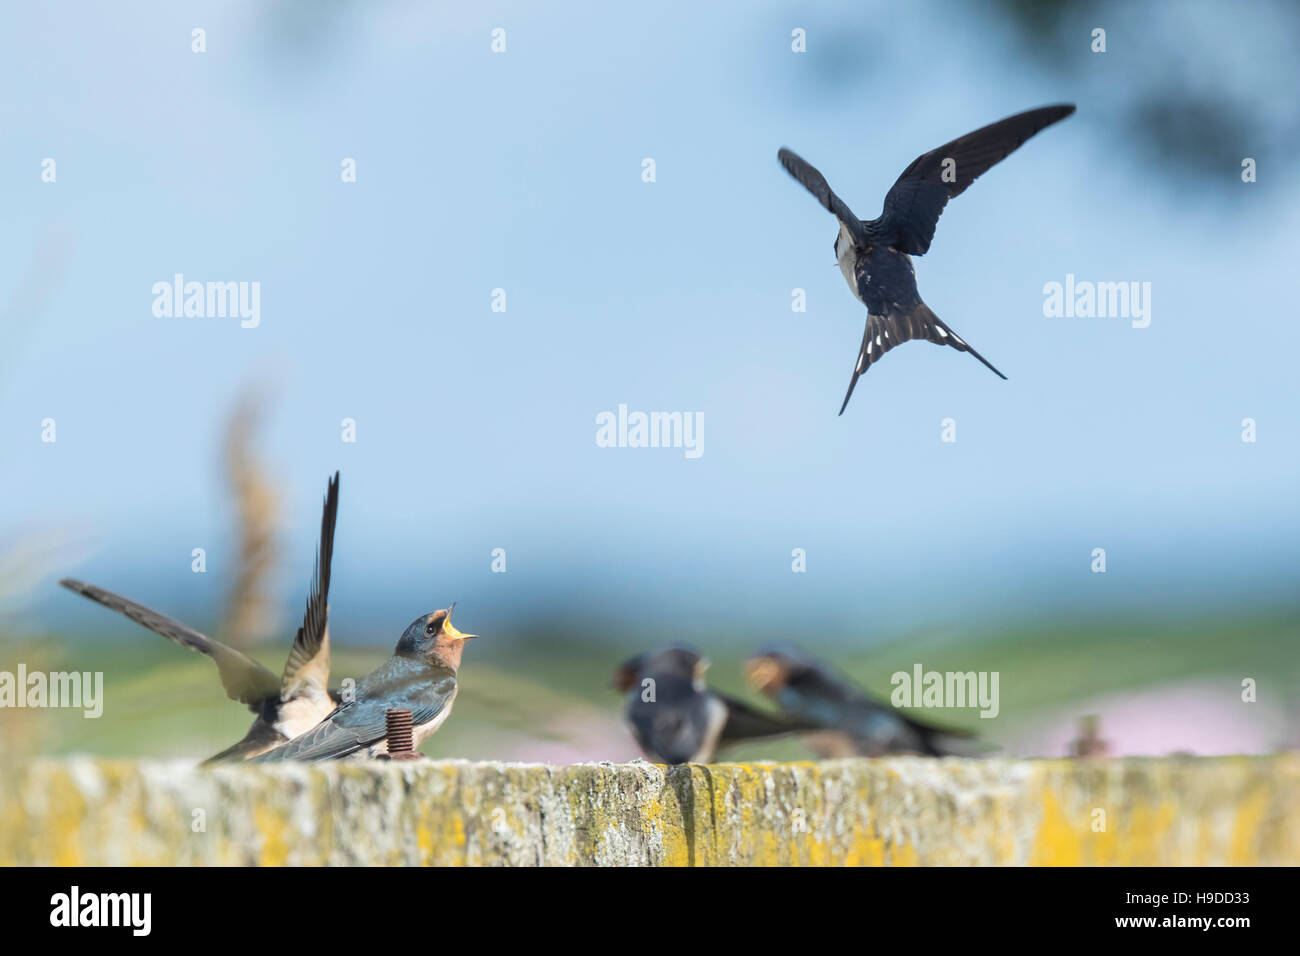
{"x": 815, "y": 183}
{"x": 744, "y": 722}
{"x": 355, "y": 726}
{"x": 327, "y": 741}
{"x": 309, "y": 658}
{"x": 244, "y": 679}
{"x": 915, "y": 201}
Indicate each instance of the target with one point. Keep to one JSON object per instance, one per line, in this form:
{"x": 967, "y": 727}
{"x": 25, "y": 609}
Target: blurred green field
{"x": 548, "y": 698}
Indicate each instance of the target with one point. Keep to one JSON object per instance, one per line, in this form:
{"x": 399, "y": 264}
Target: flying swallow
{"x": 852, "y": 722}
{"x": 674, "y": 715}
{"x": 419, "y": 677}
{"x": 874, "y": 254}
{"x": 287, "y": 705}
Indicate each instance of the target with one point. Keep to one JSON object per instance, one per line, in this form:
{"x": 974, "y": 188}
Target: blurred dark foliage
{"x": 1189, "y": 95}
{"x": 1188, "y": 89}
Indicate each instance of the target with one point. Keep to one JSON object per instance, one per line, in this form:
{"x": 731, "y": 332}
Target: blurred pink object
{"x": 1201, "y": 717}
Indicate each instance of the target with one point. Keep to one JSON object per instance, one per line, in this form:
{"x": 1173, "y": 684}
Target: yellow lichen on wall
{"x": 896, "y": 812}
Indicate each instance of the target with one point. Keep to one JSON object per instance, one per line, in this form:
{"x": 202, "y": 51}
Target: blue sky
{"x": 522, "y": 171}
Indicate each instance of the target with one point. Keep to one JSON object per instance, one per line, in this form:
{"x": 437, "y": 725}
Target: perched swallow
{"x": 286, "y": 706}
{"x": 852, "y": 722}
{"x": 874, "y": 254}
{"x": 419, "y": 677}
{"x": 678, "y": 719}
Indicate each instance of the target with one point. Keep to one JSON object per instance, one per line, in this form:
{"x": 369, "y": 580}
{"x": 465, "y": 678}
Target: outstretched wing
{"x": 915, "y": 201}
{"x": 815, "y": 183}
{"x": 309, "y": 658}
{"x": 244, "y": 679}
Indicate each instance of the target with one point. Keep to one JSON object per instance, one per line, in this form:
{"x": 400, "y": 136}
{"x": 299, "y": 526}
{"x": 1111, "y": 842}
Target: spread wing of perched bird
{"x": 243, "y": 678}
{"x": 308, "y": 666}
{"x": 286, "y": 705}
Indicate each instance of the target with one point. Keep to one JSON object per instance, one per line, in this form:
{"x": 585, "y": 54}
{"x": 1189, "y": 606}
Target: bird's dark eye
{"x": 431, "y": 629}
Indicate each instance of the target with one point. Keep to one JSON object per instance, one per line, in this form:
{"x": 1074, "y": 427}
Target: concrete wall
{"x": 1232, "y": 810}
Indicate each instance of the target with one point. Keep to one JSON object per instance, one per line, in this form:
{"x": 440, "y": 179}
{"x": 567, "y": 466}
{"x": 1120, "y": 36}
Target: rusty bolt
{"x": 401, "y": 734}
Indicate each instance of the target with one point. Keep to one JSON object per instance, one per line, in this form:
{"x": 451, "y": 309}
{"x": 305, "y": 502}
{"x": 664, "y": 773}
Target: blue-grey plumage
{"x": 853, "y": 722}
{"x": 419, "y": 677}
{"x": 874, "y": 254}
{"x": 676, "y": 717}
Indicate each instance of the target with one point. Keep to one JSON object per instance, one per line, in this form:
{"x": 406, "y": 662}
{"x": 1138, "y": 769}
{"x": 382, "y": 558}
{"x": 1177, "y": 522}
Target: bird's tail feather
{"x": 943, "y": 335}
{"x": 884, "y": 332}
{"x": 944, "y": 743}
{"x": 745, "y": 722}
{"x": 260, "y": 738}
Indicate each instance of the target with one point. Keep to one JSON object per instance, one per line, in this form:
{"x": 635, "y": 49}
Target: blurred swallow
{"x": 678, "y": 718}
{"x": 852, "y": 723}
{"x": 874, "y": 254}
{"x": 419, "y": 677}
{"x": 287, "y": 705}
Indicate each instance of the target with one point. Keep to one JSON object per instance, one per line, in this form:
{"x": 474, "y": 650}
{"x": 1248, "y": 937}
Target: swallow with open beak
{"x": 675, "y": 716}
{"x": 419, "y": 677}
{"x": 285, "y": 706}
{"x": 874, "y": 254}
{"x": 851, "y": 723}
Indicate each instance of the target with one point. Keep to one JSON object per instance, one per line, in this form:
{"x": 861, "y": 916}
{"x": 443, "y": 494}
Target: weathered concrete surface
{"x": 1234, "y": 810}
